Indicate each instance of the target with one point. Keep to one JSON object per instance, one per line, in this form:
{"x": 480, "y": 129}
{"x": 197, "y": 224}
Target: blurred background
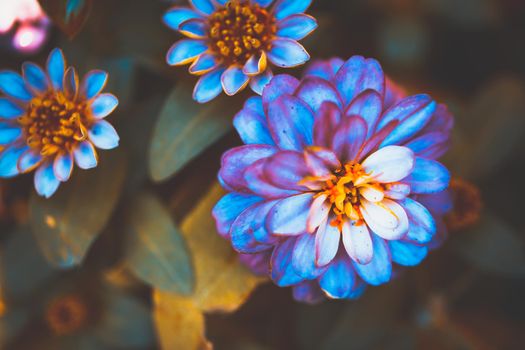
{"x": 126, "y": 256}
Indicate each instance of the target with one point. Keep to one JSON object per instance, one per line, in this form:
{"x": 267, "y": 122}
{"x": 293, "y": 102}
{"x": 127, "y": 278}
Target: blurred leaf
{"x": 493, "y": 246}
{"x": 179, "y": 323}
{"x": 184, "y": 129}
{"x": 23, "y": 267}
{"x": 69, "y": 15}
{"x": 66, "y": 225}
{"x": 155, "y": 250}
{"x": 122, "y": 75}
{"x": 125, "y": 323}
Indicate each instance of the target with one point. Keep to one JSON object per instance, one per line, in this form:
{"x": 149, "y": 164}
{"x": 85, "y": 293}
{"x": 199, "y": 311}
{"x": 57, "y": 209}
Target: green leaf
{"x": 184, "y": 129}
{"x": 66, "y": 225}
{"x": 69, "y": 15}
{"x": 155, "y": 251}
{"x": 493, "y": 246}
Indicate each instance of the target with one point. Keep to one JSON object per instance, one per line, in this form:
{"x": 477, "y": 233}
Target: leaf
{"x": 184, "y": 129}
{"x": 179, "y": 323}
{"x": 69, "y": 15}
{"x": 66, "y": 225}
{"x": 155, "y": 250}
{"x": 493, "y": 246}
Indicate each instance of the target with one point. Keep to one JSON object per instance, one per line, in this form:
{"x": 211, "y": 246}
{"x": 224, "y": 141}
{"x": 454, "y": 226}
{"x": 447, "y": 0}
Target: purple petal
{"x": 432, "y": 145}
{"x": 303, "y": 258}
{"x": 315, "y": 91}
{"x": 349, "y": 138}
{"x": 379, "y": 270}
{"x": 229, "y": 207}
{"x": 287, "y": 53}
{"x": 326, "y": 124}
{"x": 407, "y": 254}
{"x": 185, "y": 51}
{"x": 286, "y": 169}
{"x": 393, "y": 93}
{"x": 259, "y": 183}
{"x": 63, "y": 166}
{"x": 258, "y": 263}
{"x": 357, "y": 75}
{"x": 234, "y": 80}
{"x": 439, "y": 203}
{"x": 46, "y": 183}
{"x": 422, "y": 225}
{"x": 285, "y": 8}
{"x": 280, "y": 85}
{"x": 176, "y": 15}
{"x": 289, "y": 215}
{"x": 209, "y": 86}
{"x": 339, "y": 278}
{"x": 428, "y": 176}
{"x": 308, "y": 292}
{"x": 326, "y": 243}
{"x": 324, "y": 69}
{"x": 377, "y": 138}
{"x": 296, "y": 26}
{"x": 321, "y": 162}
{"x": 367, "y": 105}
{"x": 282, "y": 271}
{"x": 357, "y": 242}
{"x": 242, "y": 232}
{"x": 291, "y": 123}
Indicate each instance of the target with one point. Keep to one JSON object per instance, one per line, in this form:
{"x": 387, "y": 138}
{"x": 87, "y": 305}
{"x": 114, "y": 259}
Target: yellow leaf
{"x": 179, "y": 323}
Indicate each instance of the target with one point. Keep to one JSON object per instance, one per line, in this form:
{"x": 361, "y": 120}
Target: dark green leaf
{"x": 155, "y": 251}
{"x": 69, "y": 15}
{"x": 66, "y": 225}
{"x": 184, "y": 129}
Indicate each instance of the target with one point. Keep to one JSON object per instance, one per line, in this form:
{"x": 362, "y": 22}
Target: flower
{"x": 49, "y": 119}
{"x": 33, "y": 23}
{"x": 66, "y": 314}
{"x": 230, "y": 42}
{"x": 337, "y": 183}
{"x": 467, "y": 206}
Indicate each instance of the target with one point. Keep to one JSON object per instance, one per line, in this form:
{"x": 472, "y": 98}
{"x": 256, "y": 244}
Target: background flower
{"x": 230, "y": 42}
{"x": 49, "y": 121}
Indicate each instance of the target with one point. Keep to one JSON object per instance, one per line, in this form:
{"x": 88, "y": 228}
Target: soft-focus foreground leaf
{"x": 69, "y": 15}
{"x": 184, "y": 129}
{"x": 66, "y": 225}
{"x": 493, "y": 246}
{"x": 222, "y": 283}
{"x": 22, "y": 266}
{"x": 495, "y": 126}
{"x": 179, "y": 323}
{"x": 155, "y": 250}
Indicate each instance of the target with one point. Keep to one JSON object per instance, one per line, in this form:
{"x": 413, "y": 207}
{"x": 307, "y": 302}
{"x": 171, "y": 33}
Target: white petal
{"x": 387, "y": 219}
{"x": 389, "y": 164}
{"x": 357, "y": 242}
{"x": 318, "y": 213}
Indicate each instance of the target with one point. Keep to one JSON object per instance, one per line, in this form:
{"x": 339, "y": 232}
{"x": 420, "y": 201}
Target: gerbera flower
{"x": 338, "y": 181}
{"x": 230, "y": 42}
{"x": 48, "y": 120}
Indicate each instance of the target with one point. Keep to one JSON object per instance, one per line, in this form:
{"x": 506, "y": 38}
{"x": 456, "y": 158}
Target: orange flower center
{"x": 53, "y": 123}
{"x": 67, "y": 314}
{"x": 240, "y": 30}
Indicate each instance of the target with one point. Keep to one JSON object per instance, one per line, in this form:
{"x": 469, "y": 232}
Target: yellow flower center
{"x": 240, "y": 30}
{"x": 66, "y": 314}
{"x": 54, "y": 123}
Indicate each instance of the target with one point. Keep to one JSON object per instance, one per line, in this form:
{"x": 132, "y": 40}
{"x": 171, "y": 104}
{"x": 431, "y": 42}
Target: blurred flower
{"x": 230, "y": 42}
{"x": 67, "y": 314}
{"x": 337, "y": 181}
{"x": 47, "y": 120}
{"x": 33, "y": 24}
{"x": 467, "y": 205}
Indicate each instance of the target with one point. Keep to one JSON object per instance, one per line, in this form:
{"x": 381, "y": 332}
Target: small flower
{"x": 67, "y": 314}
{"x": 467, "y": 205}
{"x": 230, "y": 42}
{"x": 48, "y": 120}
{"x": 30, "y": 22}
{"x": 338, "y": 182}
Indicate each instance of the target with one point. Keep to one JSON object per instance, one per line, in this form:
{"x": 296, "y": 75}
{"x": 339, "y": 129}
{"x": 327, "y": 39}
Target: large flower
{"x": 338, "y": 180}
{"x": 48, "y": 120}
{"x": 230, "y": 42}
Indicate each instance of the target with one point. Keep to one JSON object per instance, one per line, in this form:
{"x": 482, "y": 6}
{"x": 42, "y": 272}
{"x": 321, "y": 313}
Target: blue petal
{"x": 413, "y": 114}
{"x": 431, "y": 145}
{"x": 9, "y": 159}
{"x": 29, "y": 160}
{"x": 324, "y": 69}
{"x": 289, "y": 215}
{"x": 103, "y": 135}
{"x": 63, "y": 166}
{"x": 407, "y": 254}
{"x": 229, "y": 207}
{"x": 175, "y": 16}
{"x": 296, "y": 27}
{"x": 93, "y": 83}
{"x": 252, "y": 127}
{"x": 56, "y": 66}
{"x": 280, "y": 84}
{"x": 86, "y": 155}
{"x": 422, "y": 226}
{"x": 258, "y": 83}
{"x": 209, "y": 86}
{"x": 255, "y": 104}
{"x": 428, "y": 176}
{"x": 285, "y": 8}
{"x": 315, "y": 91}
{"x": 234, "y": 80}
{"x": 291, "y": 123}
{"x": 303, "y": 257}
{"x": 204, "y": 64}
{"x": 46, "y": 183}
{"x": 35, "y": 77}
{"x": 9, "y": 110}
{"x": 283, "y": 274}
{"x": 204, "y": 6}
{"x": 369, "y": 106}
{"x": 185, "y": 51}
{"x": 357, "y": 75}
{"x": 379, "y": 270}
{"x": 194, "y": 28}
{"x": 262, "y": 3}
{"x": 103, "y": 105}
{"x": 242, "y": 237}
{"x": 287, "y": 53}
{"x": 13, "y": 85}
{"x": 308, "y": 292}
{"x": 339, "y": 278}
{"x": 9, "y": 133}
{"x": 255, "y": 64}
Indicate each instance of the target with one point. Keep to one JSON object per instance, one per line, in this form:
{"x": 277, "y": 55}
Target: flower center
{"x": 54, "y": 123}
{"x": 66, "y": 314}
{"x": 240, "y": 30}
